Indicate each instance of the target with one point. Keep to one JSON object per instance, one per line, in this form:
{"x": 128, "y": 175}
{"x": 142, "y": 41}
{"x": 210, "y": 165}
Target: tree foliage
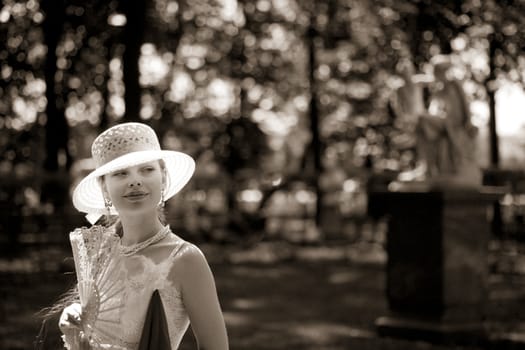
{"x": 242, "y": 85}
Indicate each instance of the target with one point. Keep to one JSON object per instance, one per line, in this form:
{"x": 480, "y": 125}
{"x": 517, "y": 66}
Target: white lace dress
{"x": 115, "y": 290}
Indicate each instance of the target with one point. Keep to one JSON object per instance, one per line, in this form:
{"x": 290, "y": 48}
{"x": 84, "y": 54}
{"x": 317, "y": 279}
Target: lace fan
{"x": 100, "y": 287}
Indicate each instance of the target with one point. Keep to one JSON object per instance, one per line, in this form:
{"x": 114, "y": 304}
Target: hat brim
{"x": 88, "y": 196}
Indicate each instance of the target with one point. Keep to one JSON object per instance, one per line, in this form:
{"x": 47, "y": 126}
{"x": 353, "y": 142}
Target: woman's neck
{"x": 138, "y": 228}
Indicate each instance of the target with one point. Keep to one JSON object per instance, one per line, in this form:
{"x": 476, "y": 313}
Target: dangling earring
{"x": 161, "y": 203}
{"x": 108, "y": 204}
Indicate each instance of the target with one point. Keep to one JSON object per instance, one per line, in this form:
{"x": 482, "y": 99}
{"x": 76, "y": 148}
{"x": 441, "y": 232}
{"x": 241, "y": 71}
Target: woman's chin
{"x": 137, "y": 207}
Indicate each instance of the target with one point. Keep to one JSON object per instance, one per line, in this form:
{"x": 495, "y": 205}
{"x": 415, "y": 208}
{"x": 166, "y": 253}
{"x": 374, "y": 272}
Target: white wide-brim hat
{"x": 122, "y": 146}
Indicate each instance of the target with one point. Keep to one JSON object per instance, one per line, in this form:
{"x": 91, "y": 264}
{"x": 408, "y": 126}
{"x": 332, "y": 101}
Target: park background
{"x": 284, "y": 105}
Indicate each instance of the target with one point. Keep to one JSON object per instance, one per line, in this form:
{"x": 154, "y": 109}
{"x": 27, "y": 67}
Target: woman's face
{"x": 135, "y": 189}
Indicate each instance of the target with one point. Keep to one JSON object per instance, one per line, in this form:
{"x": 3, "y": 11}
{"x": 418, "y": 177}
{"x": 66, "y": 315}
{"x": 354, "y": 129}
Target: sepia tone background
{"x": 284, "y": 104}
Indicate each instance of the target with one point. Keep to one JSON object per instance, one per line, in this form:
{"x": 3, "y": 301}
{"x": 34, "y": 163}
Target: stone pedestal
{"x": 437, "y": 270}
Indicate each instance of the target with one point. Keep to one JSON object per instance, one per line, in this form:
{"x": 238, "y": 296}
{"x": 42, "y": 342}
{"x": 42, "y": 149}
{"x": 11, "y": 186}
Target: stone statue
{"x": 444, "y": 133}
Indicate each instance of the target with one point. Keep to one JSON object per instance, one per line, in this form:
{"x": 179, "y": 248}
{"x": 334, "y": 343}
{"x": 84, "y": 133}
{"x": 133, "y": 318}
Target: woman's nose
{"x": 135, "y": 183}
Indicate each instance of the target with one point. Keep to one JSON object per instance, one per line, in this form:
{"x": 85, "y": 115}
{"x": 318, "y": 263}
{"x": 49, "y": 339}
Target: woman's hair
{"x": 52, "y": 313}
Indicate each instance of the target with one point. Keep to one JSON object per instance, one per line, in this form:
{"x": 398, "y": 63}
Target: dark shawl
{"x": 155, "y": 335}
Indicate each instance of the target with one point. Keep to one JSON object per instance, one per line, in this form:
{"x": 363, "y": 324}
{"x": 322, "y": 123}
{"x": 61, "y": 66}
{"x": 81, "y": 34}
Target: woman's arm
{"x": 199, "y": 295}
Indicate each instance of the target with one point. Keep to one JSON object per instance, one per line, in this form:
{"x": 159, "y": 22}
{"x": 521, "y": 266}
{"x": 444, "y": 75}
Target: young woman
{"x": 138, "y": 282}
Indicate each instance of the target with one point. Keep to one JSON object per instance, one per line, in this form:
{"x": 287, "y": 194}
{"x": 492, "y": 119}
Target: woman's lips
{"x": 135, "y": 196}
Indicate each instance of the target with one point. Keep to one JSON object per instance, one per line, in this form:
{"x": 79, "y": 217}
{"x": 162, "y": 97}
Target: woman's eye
{"x": 119, "y": 173}
{"x": 149, "y": 169}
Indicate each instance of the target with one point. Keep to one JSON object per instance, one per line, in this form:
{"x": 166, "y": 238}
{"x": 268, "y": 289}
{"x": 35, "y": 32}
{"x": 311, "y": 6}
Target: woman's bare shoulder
{"x": 188, "y": 260}
{"x": 189, "y": 253}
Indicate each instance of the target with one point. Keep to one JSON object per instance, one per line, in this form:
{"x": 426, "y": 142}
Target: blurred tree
{"x": 276, "y": 89}
{"x": 492, "y": 28}
{"x": 498, "y": 27}
{"x": 135, "y": 12}
{"x": 315, "y": 148}
{"x": 57, "y": 129}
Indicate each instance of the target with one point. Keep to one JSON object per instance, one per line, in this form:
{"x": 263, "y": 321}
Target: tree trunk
{"x": 315, "y": 145}
{"x": 493, "y": 135}
{"x": 415, "y": 29}
{"x": 56, "y": 127}
{"x": 133, "y": 38}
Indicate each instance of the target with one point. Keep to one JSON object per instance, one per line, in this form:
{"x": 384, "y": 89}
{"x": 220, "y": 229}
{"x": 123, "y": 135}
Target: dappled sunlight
{"x": 153, "y": 67}
{"x": 232, "y": 12}
{"x": 237, "y": 319}
{"x": 359, "y": 90}
{"x": 337, "y": 120}
{"x": 27, "y": 102}
{"x": 221, "y": 96}
{"x": 250, "y": 199}
{"x": 181, "y": 87}
{"x": 116, "y": 104}
{"x": 84, "y": 108}
{"x": 275, "y": 124}
{"x": 117, "y": 19}
{"x": 510, "y": 125}
{"x": 167, "y": 10}
{"x": 193, "y": 55}
{"x": 511, "y": 110}
{"x": 18, "y": 10}
{"x": 289, "y": 9}
{"x": 318, "y": 254}
{"x": 278, "y": 38}
{"x": 322, "y": 332}
{"x": 344, "y": 277}
{"x": 272, "y": 272}
{"x": 26, "y": 113}
{"x": 363, "y": 301}
{"x": 149, "y": 106}
{"x": 248, "y": 304}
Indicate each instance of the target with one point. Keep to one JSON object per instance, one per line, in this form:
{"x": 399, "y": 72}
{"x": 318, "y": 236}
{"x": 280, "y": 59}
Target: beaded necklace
{"x": 134, "y": 248}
